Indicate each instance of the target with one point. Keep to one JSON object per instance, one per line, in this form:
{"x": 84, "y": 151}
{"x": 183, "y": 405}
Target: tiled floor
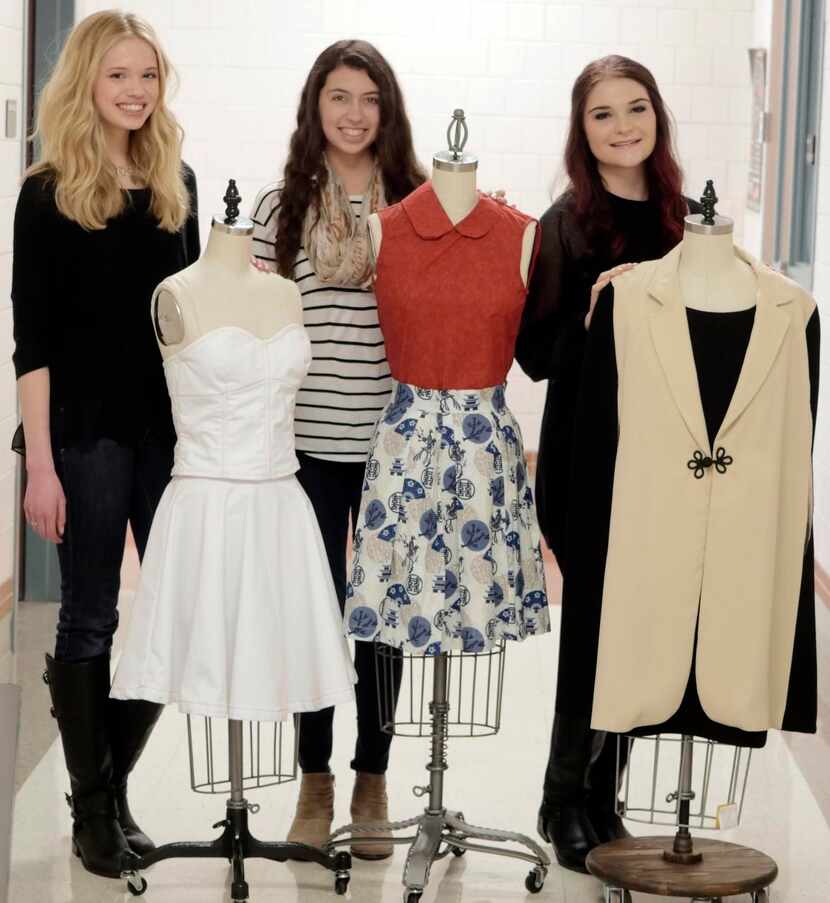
{"x": 494, "y": 780}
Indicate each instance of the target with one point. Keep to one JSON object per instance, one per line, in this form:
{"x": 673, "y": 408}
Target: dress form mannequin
{"x": 712, "y": 277}
{"x": 223, "y": 289}
{"x": 454, "y": 183}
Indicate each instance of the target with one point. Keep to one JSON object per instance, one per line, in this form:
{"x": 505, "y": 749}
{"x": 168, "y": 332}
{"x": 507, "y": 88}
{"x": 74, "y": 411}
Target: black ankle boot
{"x": 563, "y": 819}
{"x": 605, "y": 775}
{"x": 131, "y": 721}
{"x": 80, "y": 693}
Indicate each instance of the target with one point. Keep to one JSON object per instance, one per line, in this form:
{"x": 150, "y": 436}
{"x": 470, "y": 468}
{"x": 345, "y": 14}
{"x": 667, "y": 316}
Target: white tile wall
{"x": 510, "y": 63}
{"x": 11, "y": 79}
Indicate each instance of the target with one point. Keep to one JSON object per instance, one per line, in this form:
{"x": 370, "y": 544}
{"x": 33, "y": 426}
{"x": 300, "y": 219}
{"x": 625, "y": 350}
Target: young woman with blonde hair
{"x": 107, "y": 212}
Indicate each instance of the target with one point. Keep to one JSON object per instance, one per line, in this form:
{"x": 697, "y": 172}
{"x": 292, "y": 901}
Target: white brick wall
{"x": 509, "y": 63}
{"x": 821, "y": 290}
{"x": 11, "y": 79}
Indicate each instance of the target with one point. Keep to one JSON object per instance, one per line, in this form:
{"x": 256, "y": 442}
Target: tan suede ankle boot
{"x": 369, "y": 804}
{"x": 315, "y": 810}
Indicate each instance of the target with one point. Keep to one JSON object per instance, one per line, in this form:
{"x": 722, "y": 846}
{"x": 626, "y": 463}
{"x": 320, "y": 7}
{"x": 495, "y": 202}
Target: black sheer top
{"x": 552, "y": 333}
{"x": 81, "y": 302}
{"x": 551, "y": 339}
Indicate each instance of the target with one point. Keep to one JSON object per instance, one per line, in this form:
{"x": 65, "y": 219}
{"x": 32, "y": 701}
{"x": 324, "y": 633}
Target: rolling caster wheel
{"x": 535, "y": 880}
{"x": 341, "y": 885}
{"x": 412, "y": 896}
{"x": 760, "y": 896}
{"x": 136, "y": 885}
{"x": 458, "y": 851}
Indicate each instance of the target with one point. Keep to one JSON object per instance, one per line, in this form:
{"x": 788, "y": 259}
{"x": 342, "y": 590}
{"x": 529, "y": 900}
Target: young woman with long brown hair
{"x": 107, "y": 212}
{"x": 351, "y": 154}
{"x": 624, "y": 204}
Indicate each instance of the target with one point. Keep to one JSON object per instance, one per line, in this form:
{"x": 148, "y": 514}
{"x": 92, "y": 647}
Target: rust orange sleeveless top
{"x": 450, "y": 298}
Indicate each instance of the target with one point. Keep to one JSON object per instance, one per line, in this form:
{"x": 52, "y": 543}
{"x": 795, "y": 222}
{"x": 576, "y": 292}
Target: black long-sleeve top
{"x": 551, "y": 339}
{"x": 81, "y": 303}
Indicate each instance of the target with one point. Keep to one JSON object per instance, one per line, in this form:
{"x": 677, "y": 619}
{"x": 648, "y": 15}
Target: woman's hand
{"x": 603, "y": 280}
{"x": 260, "y": 265}
{"x": 499, "y": 196}
{"x": 45, "y": 504}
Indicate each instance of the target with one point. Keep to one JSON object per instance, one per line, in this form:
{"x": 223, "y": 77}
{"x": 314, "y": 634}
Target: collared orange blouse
{"x": 450, "y": 298}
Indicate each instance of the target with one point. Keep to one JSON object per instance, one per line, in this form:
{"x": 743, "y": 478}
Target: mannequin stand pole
{"x": 439, "y": 831}
{"x": 236, "y": 843}
{"x": 682, "y": 850}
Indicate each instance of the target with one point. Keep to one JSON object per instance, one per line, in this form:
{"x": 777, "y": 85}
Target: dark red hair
{"x": 663, "y": 173}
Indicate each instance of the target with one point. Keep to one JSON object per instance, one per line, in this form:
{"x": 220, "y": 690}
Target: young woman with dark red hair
{"x": 624, "y": 204}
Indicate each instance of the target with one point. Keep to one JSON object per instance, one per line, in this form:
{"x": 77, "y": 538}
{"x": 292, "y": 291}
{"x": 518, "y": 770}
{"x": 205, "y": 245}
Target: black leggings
{"x": 334, "y": 489}
{"x": 107, "y": 485}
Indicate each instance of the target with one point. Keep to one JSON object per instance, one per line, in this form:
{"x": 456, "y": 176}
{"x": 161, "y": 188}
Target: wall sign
{"x": 758, "y": 72}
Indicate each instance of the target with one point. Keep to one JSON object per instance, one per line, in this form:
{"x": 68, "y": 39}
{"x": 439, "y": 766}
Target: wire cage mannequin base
{"x": 442, "y": 696}
{"x": 717, "y": 781}
{"x": 706, "y": 783}
{"x": 270, "y": 753}
{"x": 474, "y": 692}
{"x": 269, "y": 759}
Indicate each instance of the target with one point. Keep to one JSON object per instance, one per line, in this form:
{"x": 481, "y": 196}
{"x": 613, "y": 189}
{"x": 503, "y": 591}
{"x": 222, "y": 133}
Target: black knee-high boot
{"x": 605, "y": 775}
{"x": 563, "y": 819}
{"x": 80, "y": 692}
{"x": 131, "y": 721}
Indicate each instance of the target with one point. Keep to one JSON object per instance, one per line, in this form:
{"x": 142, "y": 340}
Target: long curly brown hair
{"x": 305, "y": 172}
{"x": 663, "y": 173}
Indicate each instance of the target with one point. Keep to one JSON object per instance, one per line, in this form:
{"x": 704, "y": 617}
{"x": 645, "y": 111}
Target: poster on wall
{"x": 758, "y": 70}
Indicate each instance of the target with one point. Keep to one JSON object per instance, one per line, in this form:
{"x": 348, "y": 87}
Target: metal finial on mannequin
{"x": 232, "y": 200}
{"x": 457, "y": 134}
{"x": 232, "y": 223}
{"x": 708, "y": 200}
{"x": 708, "y": 222}
{"x": 454, "y": 159}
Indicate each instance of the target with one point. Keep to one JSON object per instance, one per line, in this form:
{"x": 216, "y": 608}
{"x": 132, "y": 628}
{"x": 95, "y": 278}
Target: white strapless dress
{"x": 235, "y": 615}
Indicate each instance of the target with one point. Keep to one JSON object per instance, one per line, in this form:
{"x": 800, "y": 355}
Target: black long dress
{"x": 719, "y": 343}
{"x": 551, "y": 338}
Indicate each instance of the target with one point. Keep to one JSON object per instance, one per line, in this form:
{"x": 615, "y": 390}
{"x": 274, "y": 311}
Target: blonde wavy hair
{"x": 73, "y": 148}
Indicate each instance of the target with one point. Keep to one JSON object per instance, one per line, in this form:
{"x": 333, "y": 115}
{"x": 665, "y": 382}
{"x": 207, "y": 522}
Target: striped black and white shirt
{"x": 349, "y": 381}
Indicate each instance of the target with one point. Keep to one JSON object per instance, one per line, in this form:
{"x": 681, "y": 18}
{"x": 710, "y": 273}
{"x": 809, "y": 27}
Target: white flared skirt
{"x": 235, "y": 614}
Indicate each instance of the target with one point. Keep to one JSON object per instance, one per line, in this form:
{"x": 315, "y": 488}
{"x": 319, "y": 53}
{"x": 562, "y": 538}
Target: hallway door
{"x": 799, "y": 150}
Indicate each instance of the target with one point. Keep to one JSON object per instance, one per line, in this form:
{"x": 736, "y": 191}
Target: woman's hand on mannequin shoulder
{"x": 261, "y": 265}
{"x": 499, "y": 196}
{"x": 45, "y": 503}
{"x": 602, "y": 280}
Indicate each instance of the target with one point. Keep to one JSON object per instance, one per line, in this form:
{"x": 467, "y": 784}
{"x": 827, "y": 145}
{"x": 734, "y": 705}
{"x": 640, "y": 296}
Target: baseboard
{"x": 823, "y": 584}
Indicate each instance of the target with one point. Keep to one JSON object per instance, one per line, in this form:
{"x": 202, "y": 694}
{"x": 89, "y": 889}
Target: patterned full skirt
{"x": 447, "y": 547}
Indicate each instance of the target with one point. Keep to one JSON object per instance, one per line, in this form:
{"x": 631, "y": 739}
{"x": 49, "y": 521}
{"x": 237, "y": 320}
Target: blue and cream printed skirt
{"x": 446, "y": 550}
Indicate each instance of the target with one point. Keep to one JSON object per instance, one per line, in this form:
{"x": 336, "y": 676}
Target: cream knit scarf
{"x": 335, "y": 239}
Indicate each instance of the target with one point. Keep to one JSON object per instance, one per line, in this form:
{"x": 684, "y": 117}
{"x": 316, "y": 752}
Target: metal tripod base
{"x": 236, "y": 844}
{"x": 438, "y": 834}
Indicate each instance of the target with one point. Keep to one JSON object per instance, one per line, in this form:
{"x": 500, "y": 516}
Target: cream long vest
{"x": 723, "y": 552}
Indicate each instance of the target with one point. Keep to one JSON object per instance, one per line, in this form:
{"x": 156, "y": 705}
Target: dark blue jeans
{"x": 107, "y": 485}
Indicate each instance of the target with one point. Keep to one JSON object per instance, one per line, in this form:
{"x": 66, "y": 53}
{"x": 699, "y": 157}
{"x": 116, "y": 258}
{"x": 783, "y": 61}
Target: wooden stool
{"x": 637, "y": 863}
